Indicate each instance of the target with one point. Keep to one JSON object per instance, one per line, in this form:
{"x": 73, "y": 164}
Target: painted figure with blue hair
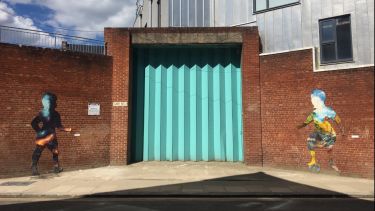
{"x": 45, "y": 124}
{"x": 324, "y": 135}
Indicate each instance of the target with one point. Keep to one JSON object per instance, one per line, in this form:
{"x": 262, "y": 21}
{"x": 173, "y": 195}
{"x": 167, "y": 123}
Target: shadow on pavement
{"x": 249, "y": 185}
{"x": 257, "y": 191}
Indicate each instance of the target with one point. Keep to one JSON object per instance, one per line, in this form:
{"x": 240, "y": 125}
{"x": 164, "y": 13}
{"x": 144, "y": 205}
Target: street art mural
{"x": 324, "y": 135}
{"x": 45, "y": 124}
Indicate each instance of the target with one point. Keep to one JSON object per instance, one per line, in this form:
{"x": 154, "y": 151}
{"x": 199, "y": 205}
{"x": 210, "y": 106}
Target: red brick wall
{"x": 119, "y": 48}
{"x": 251, "y": 107}
{"x": 287, "y": 80}
{"x": 276, "y": 98}
{"x": 76, "y": 79}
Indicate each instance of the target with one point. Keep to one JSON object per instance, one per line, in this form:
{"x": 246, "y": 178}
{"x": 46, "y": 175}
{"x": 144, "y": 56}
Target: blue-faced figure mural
{"x": 45, "y": 124}
{"x": 324, "y": 135}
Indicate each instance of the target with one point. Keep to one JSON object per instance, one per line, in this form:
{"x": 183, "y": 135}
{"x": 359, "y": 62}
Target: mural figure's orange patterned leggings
{"x": 51, "y": 143}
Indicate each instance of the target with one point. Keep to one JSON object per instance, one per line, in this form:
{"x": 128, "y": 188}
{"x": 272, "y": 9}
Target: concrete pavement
{"x": 184, "y": 179}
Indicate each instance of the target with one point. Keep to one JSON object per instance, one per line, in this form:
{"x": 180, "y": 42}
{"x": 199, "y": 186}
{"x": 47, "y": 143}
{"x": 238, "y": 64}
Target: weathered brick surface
{"x": 119, "y": 48}
{"x": 276, "y": 98}
{"x": 287, "y": 80}
{"x": 251, "y": 113}
{"x": 77, "y": 79}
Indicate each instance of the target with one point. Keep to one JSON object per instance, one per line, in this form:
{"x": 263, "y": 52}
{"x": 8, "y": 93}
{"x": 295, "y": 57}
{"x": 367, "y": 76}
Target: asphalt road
{"x": 188, "y": 204}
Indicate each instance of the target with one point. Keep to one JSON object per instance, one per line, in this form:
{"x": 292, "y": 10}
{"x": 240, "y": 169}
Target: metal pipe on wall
{"x": 150, "y": 12}
{"x": 159, "y": 12}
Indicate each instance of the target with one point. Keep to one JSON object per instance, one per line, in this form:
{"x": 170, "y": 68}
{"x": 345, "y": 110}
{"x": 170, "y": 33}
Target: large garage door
{"x": 187, "y": 104}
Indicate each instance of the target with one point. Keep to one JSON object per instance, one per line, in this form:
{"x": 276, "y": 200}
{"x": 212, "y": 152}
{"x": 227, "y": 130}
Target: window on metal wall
{"x": 335, "y": 40}
{"x": 265, "y": 5}
{"x": 192, "y": 13}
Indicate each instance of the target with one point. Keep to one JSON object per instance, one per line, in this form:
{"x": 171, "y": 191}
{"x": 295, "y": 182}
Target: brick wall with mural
{"x": 77, "y": 79}
{"x": 287, "y": 80}
{"x": 276, "y": 100}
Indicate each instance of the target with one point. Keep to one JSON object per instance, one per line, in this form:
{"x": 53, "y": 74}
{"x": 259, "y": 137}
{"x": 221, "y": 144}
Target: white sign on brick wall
{"x": 94, "y": 109}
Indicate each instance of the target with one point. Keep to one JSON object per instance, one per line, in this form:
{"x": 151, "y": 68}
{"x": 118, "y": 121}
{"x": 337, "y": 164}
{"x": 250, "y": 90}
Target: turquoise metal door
{"x": 188, "y": 104}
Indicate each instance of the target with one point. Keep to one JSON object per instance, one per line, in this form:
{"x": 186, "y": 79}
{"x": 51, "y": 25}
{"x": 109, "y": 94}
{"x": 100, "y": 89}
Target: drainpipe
{"x": 159, "y": 12}
{"x": 150, "y": 12}
{"x": 140, "y": 14}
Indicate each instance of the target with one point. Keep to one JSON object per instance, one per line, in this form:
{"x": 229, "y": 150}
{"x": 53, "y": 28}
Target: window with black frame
{"x": 266, "y": 5}
{"x": 335, "y": 40}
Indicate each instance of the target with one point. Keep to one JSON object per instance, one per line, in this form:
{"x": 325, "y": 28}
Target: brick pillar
{"x": 118, "y": 46}
{"x": 252, "y": 127}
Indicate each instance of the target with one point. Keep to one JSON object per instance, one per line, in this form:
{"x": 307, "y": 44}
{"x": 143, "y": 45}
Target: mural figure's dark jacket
{"x": 50, "y": 123}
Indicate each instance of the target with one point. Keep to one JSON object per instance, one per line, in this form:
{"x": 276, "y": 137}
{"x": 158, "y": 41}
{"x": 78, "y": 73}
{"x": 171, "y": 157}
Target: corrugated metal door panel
{"x": 188, "y": 111}
{"x": 171, "y": 116}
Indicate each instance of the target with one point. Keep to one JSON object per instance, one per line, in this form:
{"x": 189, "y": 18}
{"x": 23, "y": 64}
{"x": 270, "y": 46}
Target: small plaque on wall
{"x": 120, "y": 104}
{"x": 94, "y": 109}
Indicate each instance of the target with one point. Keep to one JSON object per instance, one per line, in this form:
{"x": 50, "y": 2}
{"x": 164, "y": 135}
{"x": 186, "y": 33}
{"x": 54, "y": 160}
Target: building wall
{"x": 276, "y": 98}
{"x": 153, "y": 22}
{"x": 119, "y": 47}
{"x": 296, "y": 27}
{"x": 77, "y": 79}
{"x": 287, "y": 80}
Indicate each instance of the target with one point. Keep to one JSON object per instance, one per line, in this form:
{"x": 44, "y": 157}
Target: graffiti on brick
{"x": 324, "y": 134}
{"x": 45, "y": 124}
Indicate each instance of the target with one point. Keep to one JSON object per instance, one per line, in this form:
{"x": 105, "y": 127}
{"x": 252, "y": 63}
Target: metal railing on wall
{"x": 28, "y": 37}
